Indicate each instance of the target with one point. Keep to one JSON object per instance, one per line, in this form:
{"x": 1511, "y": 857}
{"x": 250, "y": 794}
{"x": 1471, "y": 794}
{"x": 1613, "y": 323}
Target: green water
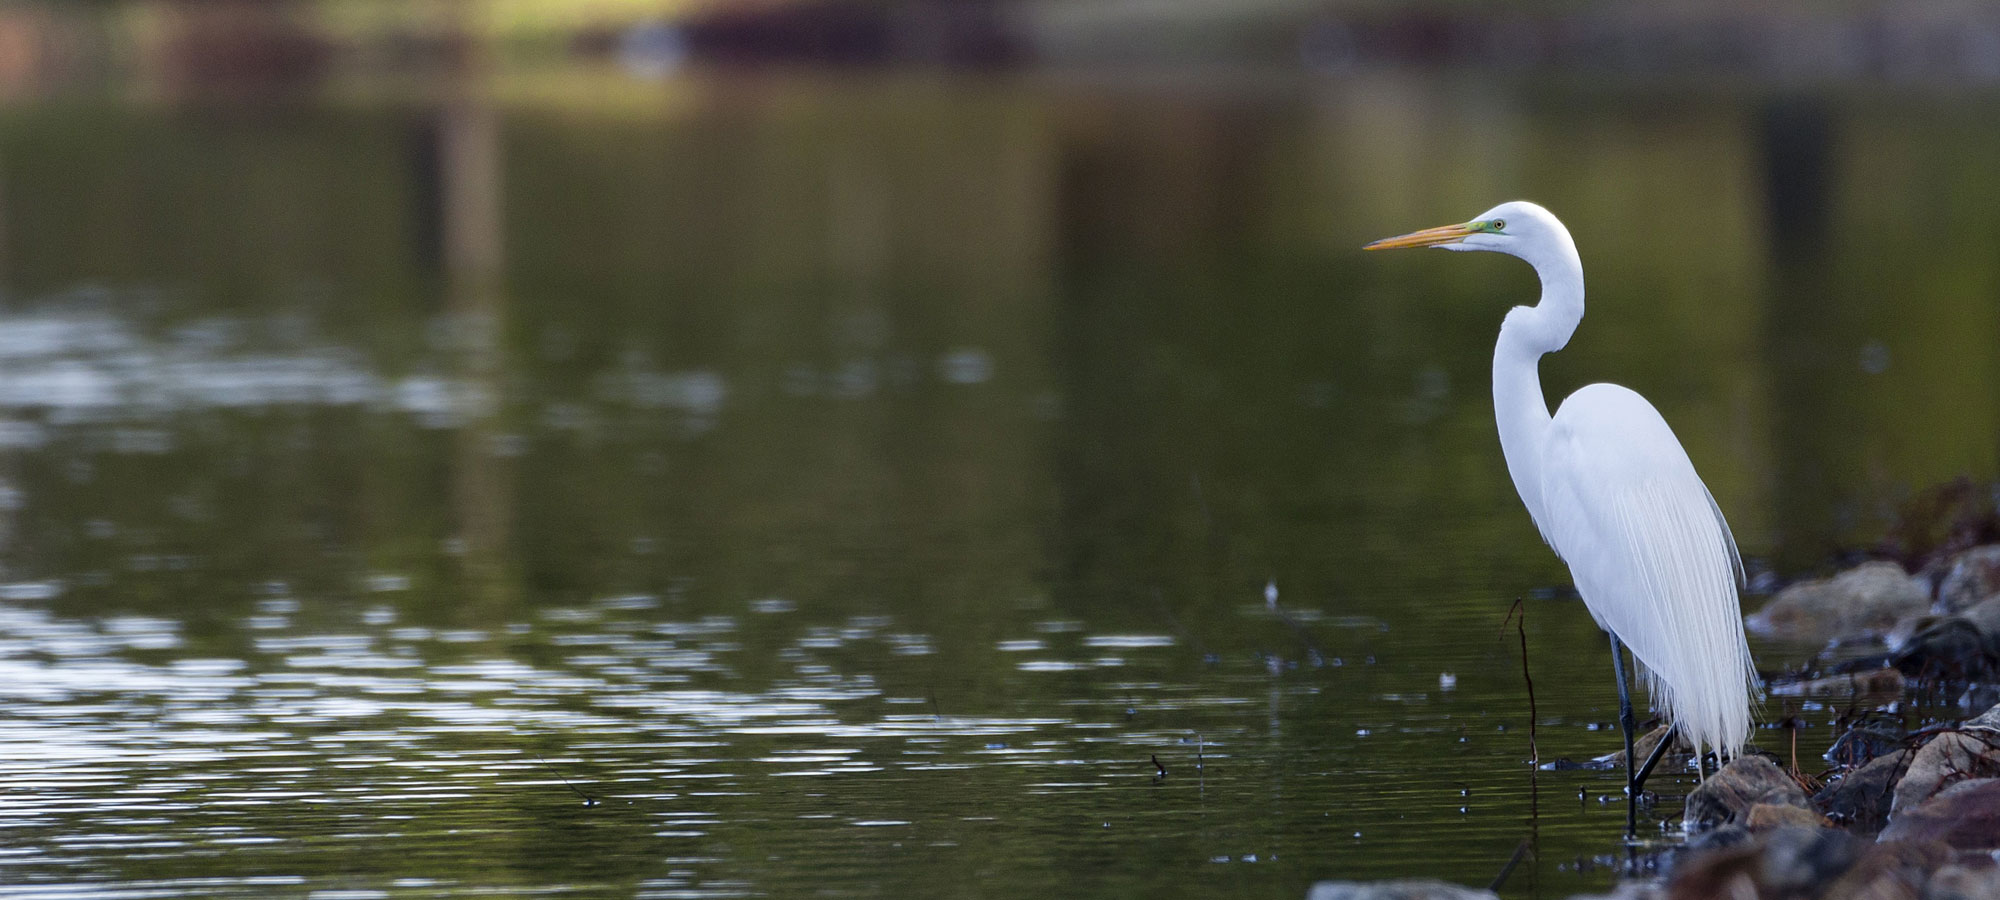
{"x": 853, "y": 484}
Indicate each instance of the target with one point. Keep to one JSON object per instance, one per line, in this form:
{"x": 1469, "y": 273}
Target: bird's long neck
{"x": 1528, "y": 333}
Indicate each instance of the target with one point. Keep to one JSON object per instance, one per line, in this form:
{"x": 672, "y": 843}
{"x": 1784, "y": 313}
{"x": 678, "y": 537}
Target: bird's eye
{"x": 1499, "y": 224}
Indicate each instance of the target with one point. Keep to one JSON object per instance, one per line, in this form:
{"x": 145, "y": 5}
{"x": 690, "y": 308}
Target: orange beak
{"x": 1429, "y": 237}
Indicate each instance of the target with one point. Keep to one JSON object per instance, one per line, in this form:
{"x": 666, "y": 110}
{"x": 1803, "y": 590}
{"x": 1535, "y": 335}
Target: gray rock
{"x": 1907, "y": 628}
{"x": 1952, "y": 649}
{"x": 1984, "y": 615}
{"x": 1988, "y": 720}
{"x": 1948, "y": 759}
{"x": 1402, "y": 889}
{"x": 1799, "y": 861}
{"x": 1869, "y": 598}
{"x": 1861, "y": 798}
{"x": 1970, "y": 577}
{"x": 1726, "y": 797}
{"x": 1965, "y": 816}
{"x": 1629, "y": 890}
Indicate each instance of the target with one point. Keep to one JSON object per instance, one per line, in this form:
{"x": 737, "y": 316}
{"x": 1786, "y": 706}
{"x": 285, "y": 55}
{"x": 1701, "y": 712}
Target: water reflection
{"x": 859, "y": 484}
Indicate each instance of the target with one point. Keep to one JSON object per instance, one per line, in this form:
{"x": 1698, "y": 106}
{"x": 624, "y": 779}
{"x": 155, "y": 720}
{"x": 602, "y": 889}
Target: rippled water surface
{"x": 866, "y": 487}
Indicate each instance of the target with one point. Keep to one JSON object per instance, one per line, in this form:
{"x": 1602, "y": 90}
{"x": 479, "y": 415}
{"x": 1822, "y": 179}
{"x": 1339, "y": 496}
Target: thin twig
{"x": 587, "y": 799}
{"x": 1521, "y": 629}
{"x": 1201, "y": 763}
{"x": 1520, "y": 850}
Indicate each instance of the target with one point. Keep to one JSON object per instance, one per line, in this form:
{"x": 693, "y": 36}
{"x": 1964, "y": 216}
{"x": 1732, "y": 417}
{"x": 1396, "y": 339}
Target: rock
{"x": 1727, "y": 796}
{"x": 1785, "y": 862}
{"x": 1965, "y": 815}
{"x": 1721, "y": 838}
{"x": 1980, "y": 696}
{"x": 1952, "y": 649}
{"x": 1676, "y": 756}
{"x": 1887, "y": 871}
{"x": 1800, "y": 860}
{"x": 1963, "y": 882}
{"x": 1861, "y": 798}
{"x": 1628, "y": 890}
{"x": 1858, "y": 746}
{"x": 1949, "y": 758}
{"x": 1985, "y": 616}
{"x": 1970, "y": 577}
{"x": 1907, "y": 629}
{"x": 1766, "y": 816}
{"x": 1987, "y": 721}
{"x": 1877, "y": 681}
{"x": 1403, "y": 889}
{"x": 1703, "y": 875}
{"x": 1868, "y": 598}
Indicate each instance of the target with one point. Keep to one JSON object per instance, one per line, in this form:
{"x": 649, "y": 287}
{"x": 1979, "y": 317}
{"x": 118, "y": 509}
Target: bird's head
{"x": 1517, "y": 227}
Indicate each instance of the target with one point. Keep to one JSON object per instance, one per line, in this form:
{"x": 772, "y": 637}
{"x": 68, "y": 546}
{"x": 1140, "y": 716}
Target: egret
{"x": 1618, "y": 500}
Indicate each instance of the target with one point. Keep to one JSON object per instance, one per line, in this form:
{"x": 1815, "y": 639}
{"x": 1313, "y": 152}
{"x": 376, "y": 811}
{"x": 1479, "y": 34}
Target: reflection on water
{"x": 869, "y": 485}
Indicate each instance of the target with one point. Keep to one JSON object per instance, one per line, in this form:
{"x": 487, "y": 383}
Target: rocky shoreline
{"x": 1901, "y": 813}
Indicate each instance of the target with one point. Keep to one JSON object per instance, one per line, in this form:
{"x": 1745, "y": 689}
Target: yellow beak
{"x": 1429, "y": 237}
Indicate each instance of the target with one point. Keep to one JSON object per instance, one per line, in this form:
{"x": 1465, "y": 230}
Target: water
{"x": 852, "y": 485}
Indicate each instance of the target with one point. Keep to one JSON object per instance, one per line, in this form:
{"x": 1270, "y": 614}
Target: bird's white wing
{"x": 1652, "y": 557}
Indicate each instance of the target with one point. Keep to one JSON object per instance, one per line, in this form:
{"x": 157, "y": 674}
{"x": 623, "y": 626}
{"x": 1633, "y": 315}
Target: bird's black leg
{"x": 1625, "y": 724}
{"x": 1653, "y": 759}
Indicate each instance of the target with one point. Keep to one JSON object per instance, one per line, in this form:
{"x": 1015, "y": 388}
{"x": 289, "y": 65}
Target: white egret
{"x": 1617, "y": 498}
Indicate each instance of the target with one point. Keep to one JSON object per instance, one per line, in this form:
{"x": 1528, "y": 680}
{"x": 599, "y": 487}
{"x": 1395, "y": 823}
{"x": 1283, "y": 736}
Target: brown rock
{"x": 1675, "y": 757}
{"x": 1889, "y": 872}
{"x": 1797, "y": 863}
{"x": 1949, "y": 758}
{"x": 1728, "y": 795}
{"x": 1965, "y": 815}
{"x": 1730, "y": 872}
{"x": 1964, "y": 882}
{"x": 1875, "y": 681}
{"x": 1766, "y": 816}
{"x": 1868, "y": 598}
{"x": 1861, "y": 798}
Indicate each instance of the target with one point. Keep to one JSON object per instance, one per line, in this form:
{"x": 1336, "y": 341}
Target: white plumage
{"x": 1652, "y": 557}
{"x": 1614, "y": 494}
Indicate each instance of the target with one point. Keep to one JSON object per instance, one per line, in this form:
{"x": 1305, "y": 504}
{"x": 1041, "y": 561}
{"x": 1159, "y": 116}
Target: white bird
{"x": 1617, "y": 498}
